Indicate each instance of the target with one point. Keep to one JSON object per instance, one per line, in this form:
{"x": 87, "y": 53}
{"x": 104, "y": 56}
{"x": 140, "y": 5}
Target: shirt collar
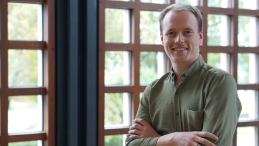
{"x": 198, "y": 63}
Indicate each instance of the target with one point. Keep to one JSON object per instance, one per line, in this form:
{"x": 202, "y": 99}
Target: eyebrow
{"x": 188, "y": 29}
{"x": 183, "y": 29}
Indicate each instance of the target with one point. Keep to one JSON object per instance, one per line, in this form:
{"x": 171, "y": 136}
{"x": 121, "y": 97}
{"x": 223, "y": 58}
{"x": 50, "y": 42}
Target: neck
{"x": 179, "y": 68}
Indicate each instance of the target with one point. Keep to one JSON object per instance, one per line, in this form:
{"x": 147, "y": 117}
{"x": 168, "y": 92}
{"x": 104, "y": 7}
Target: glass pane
{"x": 149, "y": 27}
{"x": 18, "y": 60}
{"x": 248, "y": 101}
{"x": 246, "y": 70}
{"x": 154, "y": 1}
{"x": 117, "y": 67}
{"x": 117, "y": 109}
{"x": 247, "y": 4}
{"x": 218, "y": 30}
{"x": 246, "y": 136}
{"x": 246, "y": 31}
{"x": 191, "y": 2}
{"x": 117, "y": 26}
{"x": 218, "y": 3}
{"x": 219, "y": 60}
{"x": 115, "y": 140}
{"x": 152, "y": 66}
{"x": 24, "y": 21}
{"x": 26, "y": 143}
{"x": 25, "y": 113}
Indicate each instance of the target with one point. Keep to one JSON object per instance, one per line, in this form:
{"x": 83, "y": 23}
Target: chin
{"x": 179, "y": 60}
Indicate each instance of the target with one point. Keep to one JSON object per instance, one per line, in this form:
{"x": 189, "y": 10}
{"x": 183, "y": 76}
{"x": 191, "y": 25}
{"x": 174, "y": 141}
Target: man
{"x": 194, "y": 104}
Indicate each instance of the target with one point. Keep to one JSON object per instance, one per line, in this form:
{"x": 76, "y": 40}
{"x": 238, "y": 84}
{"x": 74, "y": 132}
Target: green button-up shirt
{"x": 206, "y": 100}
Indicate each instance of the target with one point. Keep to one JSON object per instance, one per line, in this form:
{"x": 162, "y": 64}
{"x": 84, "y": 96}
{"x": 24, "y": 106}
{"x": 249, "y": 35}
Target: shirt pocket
{"x": 194, "y": 120}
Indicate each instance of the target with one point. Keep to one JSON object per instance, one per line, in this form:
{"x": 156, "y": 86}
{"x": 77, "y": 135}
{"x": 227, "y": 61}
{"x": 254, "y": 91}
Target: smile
{"x": 179, "y": 49}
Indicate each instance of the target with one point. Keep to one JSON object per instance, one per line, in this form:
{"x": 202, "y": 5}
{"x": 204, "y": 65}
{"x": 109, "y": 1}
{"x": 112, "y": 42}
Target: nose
{"x": 179, "y": 38}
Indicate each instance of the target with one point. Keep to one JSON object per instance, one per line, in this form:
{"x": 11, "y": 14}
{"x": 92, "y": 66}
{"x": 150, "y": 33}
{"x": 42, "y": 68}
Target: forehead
{"x": 180, "y": 20}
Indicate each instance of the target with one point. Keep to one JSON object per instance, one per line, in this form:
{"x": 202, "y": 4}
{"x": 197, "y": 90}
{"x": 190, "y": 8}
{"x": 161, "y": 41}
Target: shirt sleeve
{"x": 222, "y": 109}
{"x": 143, "y": 113}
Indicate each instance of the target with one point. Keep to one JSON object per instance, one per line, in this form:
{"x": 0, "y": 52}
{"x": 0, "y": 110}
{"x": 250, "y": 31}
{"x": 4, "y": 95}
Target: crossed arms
{"x": 144, "y": 130}
{"x": 221, "y": 113}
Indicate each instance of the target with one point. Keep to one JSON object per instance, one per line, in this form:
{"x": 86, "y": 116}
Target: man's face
{"x": 181, "y": 38}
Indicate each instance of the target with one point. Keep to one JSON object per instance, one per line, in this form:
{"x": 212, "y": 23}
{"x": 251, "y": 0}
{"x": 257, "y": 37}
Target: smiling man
{"x": 194, "y": 104}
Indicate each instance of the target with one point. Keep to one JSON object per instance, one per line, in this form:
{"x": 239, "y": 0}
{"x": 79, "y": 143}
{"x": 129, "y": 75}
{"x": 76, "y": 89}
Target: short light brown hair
{"x": 181, "y": 7}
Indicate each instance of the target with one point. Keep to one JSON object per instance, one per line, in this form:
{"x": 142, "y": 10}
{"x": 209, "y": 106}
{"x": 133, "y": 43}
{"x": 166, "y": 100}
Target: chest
{"x": 176, "y": 107}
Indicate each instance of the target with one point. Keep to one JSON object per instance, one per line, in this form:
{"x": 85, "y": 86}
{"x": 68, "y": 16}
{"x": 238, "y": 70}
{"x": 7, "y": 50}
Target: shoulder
{"x": 215, "y": 73}
{"x": 218, "y": 77}
{"x": 165, "y": 78}
{"x": 159, "y": 83}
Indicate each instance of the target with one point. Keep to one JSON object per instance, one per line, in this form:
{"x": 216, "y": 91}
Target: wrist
{"x": 166, "y": 140}
{"x": 162, "y": 141}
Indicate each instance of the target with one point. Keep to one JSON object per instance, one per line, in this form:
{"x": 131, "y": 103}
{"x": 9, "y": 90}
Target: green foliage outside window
{"x": 114, "y": 25}
{"x": 148, "y": 67}
{"x": 26, "y": 143}
{"x": 247, "y": 4}
{"x": 243, "y": 68}
{"x": 23, "y": 21}
{"x": 213, "y": 59}
{"x": 22, "y": 68}
{"x": 149, "y": 27}
{"x": 183, "y": 1}
{"x": 214, "y": 38}
{"x": 114, "y": 67}
{"x": 153, "y": 1}
{"x": 23, "y": 24}
{"x": 218, "y": 3}
{"x": 244, "y": 31}
{"x": 113, "y": 109}
{"x": 114, "y": 140}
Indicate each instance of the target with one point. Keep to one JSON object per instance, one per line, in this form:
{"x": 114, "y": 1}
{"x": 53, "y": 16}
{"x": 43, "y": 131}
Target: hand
{"x": 186, "y": 139}
{"x": 142, "y": 131}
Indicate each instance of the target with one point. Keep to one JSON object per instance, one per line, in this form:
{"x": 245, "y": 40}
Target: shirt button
{"x": 177, "y": 113}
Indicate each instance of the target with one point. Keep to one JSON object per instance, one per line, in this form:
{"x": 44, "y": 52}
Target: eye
{"x": 170, "y": 33}
{"x": 188, "y": 32}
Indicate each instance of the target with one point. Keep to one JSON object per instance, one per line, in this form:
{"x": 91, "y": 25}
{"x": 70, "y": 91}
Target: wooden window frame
{"x": 48, "y": 90}
{"x": 135, "y": 47}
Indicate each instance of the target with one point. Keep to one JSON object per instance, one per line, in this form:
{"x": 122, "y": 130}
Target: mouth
{"x": 179, "y": 49}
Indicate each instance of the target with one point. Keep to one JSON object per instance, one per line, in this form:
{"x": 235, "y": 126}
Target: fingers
{"x": 204, "y": 141}
{"x": 141, "y": 121}
{"x": 208, "y": 135}
{"x": 135, "y": 131}
{"x": 136, "y": 126}
{"x": 195, "y": 144}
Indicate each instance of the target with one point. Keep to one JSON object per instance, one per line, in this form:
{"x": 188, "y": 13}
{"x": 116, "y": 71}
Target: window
{"x": 27, "y": 73}
{"x": 134, "y": 53}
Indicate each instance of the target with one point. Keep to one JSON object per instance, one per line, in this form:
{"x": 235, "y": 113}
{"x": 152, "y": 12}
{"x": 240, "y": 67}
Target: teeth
{"x": 179, "y": 49}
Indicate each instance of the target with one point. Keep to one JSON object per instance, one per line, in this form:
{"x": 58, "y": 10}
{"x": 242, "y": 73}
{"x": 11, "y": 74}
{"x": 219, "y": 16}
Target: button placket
{"x": 177, "y": 110}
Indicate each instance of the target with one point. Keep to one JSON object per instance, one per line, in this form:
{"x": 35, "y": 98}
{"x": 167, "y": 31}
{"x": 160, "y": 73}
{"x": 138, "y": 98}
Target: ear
{"x": 201, "y": 37}
{"x": 162, "y": 39}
